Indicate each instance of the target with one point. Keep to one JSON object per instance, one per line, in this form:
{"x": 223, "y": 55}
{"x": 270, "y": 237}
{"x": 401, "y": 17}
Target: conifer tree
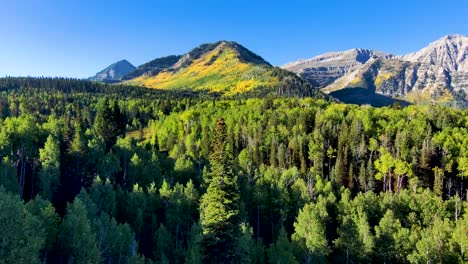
{"x": 220, "y": 208}
{"x": 109, "y": 122}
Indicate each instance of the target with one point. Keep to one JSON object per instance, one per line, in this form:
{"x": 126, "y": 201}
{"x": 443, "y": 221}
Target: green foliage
{"x": 435, "y": 244}
{"x": 164, "y": 250}
{"x": 194, "y": 251}
{"x": 45, "y": 212}
{"x": 220, "y": 208}
{"x": 49, "y": 175}
{"x": 109, "y": 122}
{"x": 460, "y": 237}
{"x": 23, "y": 235}
{"x": 310, "y": 233}
{"x": 76, "y": 238}
{"x": 343, "y": 182}
{"x": 282, "y": 251}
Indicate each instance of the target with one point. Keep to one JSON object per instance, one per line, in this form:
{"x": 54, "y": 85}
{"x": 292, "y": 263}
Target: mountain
{"x": 223, "y": 67}
{"x": 114, "y": 72}
{"x": 449, "y": 52}
{"x": 437, "y": 73}
{"x": 382, "y": 82}
{"x": 325, "y": 69}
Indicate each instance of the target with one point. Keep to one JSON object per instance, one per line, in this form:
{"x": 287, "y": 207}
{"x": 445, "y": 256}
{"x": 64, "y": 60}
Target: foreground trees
{"x": 76, "y": 239}
{"x": 21, "y": 232}
{"x": 139, "y": 178}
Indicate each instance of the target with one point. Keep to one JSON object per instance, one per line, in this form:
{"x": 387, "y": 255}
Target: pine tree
{"x": 220, "y": 208}
{"x": 109, "y": 122}
{"x": 78, "y": 145}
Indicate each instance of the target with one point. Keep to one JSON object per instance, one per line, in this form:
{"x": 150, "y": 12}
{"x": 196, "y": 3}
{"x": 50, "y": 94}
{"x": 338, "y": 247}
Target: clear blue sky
{"x": 77, "y": 38}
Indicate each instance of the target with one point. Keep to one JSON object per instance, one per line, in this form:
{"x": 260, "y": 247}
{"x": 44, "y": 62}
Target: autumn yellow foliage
{"x": 220, "y": 70}
{"x": 382, "y": 77}
{"x": 356, "y": 80}
{"x": 425, "y": 97}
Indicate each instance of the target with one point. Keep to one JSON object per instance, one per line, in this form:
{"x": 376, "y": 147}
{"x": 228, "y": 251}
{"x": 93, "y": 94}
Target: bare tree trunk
{"x": 22, "y": 175}
{"x": 384, "y": 182}
{"x": 390, "y": 183}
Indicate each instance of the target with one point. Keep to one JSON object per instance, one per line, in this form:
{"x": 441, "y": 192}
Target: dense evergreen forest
{"x": 95, "y": 173}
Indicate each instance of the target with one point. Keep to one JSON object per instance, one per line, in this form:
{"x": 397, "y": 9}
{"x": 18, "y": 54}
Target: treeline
{"x": 290, "y": 85}
{"x": 74, "y": 86}
{"x": 105, "y": 178}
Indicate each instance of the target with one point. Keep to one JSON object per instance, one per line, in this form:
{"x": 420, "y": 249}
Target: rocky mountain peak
{"x": 449, "y": 52}
{"x": 113, "y": 72}
{"x": 241, "y": 52}
{"x": 324, "y": 69}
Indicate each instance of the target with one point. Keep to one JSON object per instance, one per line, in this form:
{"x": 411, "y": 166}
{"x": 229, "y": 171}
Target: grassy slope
{"x": 219, "y": 70}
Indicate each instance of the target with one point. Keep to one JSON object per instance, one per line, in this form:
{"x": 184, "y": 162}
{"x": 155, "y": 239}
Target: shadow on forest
{"x": 365, "y": 96}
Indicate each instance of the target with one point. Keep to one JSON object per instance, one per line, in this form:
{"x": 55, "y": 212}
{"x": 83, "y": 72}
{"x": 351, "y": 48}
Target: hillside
{"x": 223, "y": 67}
{"x": 152, "y": 67}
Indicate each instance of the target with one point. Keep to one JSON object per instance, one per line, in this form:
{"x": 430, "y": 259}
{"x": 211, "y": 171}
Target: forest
{"x": 99, "y": 173}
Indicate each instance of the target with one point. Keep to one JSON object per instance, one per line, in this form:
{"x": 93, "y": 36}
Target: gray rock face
{"x": 114, "y": 72}
{"x": 449, "y": 52}
{"x": 436, "y": 73}
{"x": 397, "y": 78}
{"x": 325, "y": 69}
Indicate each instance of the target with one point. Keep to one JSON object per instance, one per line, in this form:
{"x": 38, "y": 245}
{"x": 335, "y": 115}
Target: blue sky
{"x": 77, "y": 38}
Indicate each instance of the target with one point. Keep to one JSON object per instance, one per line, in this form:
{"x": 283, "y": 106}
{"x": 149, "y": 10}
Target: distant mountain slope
{"x": 402, "y": 80}
{"x": 324, "y": 69}
{"x": 223, "y": 67}
{"x": 152, "y": 67}
{"x": 114, "y": 72}
{"x": 435, "y": 74}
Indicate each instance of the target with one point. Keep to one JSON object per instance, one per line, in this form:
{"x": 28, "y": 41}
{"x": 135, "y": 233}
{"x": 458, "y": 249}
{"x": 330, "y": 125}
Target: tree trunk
{"x": 384, "y": 182}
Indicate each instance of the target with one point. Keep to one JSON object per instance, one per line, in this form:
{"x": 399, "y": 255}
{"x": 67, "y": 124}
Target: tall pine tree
{"x": 220, "y": 208}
